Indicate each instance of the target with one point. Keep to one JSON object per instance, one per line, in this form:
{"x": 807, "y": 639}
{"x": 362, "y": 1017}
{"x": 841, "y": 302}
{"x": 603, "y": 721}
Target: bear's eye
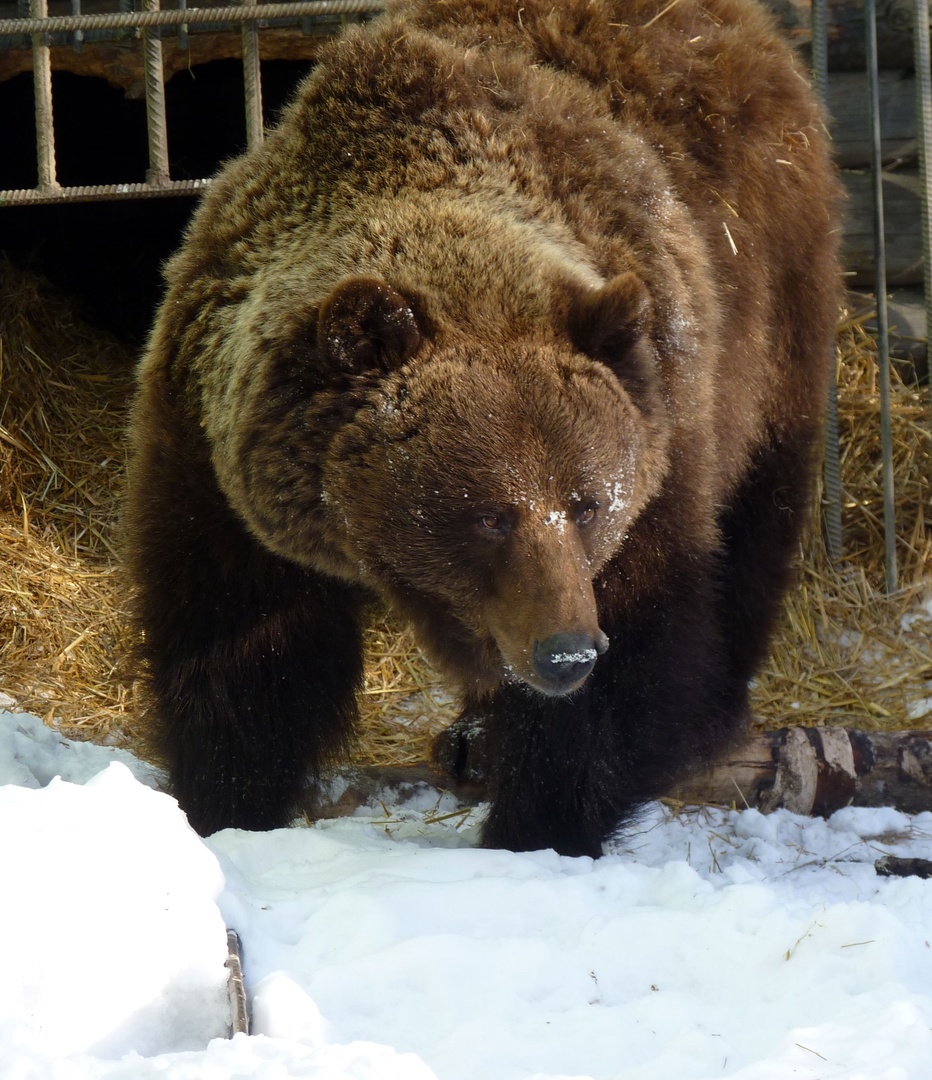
{"x": 492, "y": 524}
{"x": 586, "y": 514}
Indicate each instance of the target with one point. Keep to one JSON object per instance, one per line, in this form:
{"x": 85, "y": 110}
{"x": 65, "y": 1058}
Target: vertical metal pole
{"x": 24, "y": 10}
{"x": 42, "y": 84}
{"x": 183, "y": 41}
{"x": 77, "y": 38}
{"x": 253, "y": 82}
{"x": 924, "y": 128}
{"x": 831, "y": 463}
{"x": 820, "y": 47}
{"x": 155, "y": 102}
{"x": 880, "y": 278}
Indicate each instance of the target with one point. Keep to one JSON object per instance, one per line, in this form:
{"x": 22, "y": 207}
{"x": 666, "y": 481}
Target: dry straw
{"x": 846, "y": 653}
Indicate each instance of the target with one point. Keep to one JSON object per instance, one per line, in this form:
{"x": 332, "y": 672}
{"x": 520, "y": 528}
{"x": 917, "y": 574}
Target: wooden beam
{"x": 901, "y": 221}
{"x": 806, "y": 770}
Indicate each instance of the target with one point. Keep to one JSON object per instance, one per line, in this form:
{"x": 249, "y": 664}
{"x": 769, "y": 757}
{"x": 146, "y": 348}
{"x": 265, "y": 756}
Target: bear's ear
{"x": 607, "y": 323}
{"x": 364, "y": 324}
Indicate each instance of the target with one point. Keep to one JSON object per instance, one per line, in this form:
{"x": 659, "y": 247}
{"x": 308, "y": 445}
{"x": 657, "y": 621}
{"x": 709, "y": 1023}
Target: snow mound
{"x": 703, "y": 945}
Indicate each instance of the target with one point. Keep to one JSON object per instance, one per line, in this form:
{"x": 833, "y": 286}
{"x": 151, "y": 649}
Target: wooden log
{"x": 820, "y": 770}
{"x": 121, "y": 62}
{"x": 846, "y": 31}
{"x": 812, "y": 771}
{"x": 850, "y": 121}
{"x": 893, "y": 866}
{"x": 901, "y": 219}
{"x": 236, "y": 986}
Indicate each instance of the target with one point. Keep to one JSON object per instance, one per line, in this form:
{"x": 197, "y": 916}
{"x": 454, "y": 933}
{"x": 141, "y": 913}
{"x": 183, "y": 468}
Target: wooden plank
{"x": 121, "y": 62}
{"x": 901, "y": 218}
{"x": 846, "y": 31}
{"x": 849, "y": 112}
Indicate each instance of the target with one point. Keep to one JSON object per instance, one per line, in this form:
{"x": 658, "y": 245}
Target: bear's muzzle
{"x": 564, "y": 661}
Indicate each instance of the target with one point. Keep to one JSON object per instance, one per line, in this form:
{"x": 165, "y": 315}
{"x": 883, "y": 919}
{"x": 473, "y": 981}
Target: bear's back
{"x": 592, "y": 137}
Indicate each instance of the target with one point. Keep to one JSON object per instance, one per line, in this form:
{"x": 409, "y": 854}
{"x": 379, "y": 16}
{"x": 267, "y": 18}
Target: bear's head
{"x": 484, "y": 484}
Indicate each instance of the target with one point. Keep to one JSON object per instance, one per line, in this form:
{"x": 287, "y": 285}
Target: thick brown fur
{"x": 520, "y": 320}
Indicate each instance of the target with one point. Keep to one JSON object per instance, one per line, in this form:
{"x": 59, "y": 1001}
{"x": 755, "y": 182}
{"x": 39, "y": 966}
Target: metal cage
{"x": 40, "y": 31}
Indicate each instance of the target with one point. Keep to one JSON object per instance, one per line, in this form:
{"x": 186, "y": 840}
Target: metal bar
{"x": 252, "y": 79}
{"x": 155, "y": 103}
{"x": 831, "y": 461}
{"x": 820, "y": 47}
{"x": 831, "y": 470}
{"x": 100, "y": 192}
{"x": 183, "y": 42}
{"x": 77, "y": 40}
{"x": 42, "y": 83}
{"x": 132, "y": 19}
{"x": 924, "y": 131}
{"x": 880, "y": 279}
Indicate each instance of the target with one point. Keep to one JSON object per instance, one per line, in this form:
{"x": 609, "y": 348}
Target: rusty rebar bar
{"x": 924, "y": 130}
{"x": 252, "y": 80}
{"x": 880, "y": 288}
{"x": 831, "y": 460}
{"x": 77, "y": 39}
{"x": 100, "y": 192}
{"x": 128, "y": 20}
{"x": 156, "y": 122}
{"x": 42, "y": 83}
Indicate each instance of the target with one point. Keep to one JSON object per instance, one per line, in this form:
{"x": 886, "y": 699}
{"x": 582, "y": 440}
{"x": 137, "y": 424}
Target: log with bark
{"x": 902, "y": 211}
{"x": 811, "y": 771}
{"x": 236, "y": 986}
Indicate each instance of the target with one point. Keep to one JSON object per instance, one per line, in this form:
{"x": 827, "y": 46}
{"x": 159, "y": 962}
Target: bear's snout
{"x": 564, "y": 661}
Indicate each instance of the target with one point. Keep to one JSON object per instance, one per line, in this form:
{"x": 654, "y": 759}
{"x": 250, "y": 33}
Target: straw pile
{"x": 843, "y": 654}
{"x": 847, "y": 653}
{"x": 63, "y": 394}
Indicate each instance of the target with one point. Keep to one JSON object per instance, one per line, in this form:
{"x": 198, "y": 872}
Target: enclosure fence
{"x": 149, "y": 24}
{"x": 40, "y": 31}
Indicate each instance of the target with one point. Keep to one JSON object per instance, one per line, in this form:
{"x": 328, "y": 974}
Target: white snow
{"x": 557, "y": 519}
{"x": 581, "y": 657}
{"x": 709, "y": 944}
{"x": 919, "y": 708}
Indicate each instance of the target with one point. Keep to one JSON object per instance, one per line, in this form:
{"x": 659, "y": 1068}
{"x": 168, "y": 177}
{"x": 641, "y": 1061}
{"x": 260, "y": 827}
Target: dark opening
{"x": 108, "y": 255}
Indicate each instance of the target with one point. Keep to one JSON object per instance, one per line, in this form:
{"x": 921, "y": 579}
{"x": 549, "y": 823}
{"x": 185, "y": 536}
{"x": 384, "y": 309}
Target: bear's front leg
{"x": 252, "y": 661}
{"x": 567, "y": 772}
{"x": 556, "y": 777}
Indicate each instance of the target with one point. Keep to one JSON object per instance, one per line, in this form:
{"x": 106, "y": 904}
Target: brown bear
{"x": 521, "y": 321}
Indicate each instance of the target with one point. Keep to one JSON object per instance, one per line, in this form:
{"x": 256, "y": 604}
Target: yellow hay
{"x": 846, "y": 652}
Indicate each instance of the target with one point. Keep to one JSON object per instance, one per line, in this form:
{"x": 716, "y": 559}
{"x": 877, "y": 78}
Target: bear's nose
{"x": 564, "y": 660}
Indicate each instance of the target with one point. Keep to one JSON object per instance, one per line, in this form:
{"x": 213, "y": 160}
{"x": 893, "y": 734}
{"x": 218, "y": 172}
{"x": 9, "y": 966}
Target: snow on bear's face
{"x": 481, "y": 490}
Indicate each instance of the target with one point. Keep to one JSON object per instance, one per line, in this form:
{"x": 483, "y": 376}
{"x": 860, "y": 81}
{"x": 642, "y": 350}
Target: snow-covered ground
{"x": 713, "y": 944}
